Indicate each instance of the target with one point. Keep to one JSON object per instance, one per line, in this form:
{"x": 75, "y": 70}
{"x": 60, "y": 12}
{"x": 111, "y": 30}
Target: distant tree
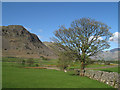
{"x": 43, "y": 58}
{"x": 65, "y": 59}
{"x": 89, "y": 61}
{"x": 23, "y": 62}
{"x": 37, "y": 65}
{"x": 103, "y": 61}
{"x": 30, "y": 61}
{"x": 107, "y": 63}
{"x": 86, "y": 37}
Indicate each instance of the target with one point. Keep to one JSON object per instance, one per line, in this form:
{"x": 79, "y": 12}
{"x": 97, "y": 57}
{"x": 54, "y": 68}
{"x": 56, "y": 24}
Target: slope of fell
{"x": 18, "y": 42}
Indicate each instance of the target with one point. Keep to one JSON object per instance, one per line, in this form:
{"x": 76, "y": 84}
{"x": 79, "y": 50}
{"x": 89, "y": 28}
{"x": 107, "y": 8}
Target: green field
{"x": 114, "y": 69}
{"x": 96, "y": 65}
{"x": 15, "y": 76}
{"x": 87, "y": 66}
{"x": 38, "y": 61}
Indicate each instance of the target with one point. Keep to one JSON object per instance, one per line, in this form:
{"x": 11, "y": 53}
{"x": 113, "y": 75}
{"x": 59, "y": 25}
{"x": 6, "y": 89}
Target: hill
{"x": 18, "y": 42}
{"x": 108, "y": 55}
{"x": 115, "y": 49}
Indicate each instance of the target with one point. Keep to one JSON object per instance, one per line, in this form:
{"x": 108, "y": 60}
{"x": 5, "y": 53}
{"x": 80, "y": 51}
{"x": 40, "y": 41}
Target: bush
{"x": 89, "y": 61}
{"x": 43, "y": 58}
{"x": 65, "y": 59}
{"x": 23, "y": 62}
{"x": 37, "y": 65}
{"x": 30, "y": 61}
{"x": 107, "y": 63}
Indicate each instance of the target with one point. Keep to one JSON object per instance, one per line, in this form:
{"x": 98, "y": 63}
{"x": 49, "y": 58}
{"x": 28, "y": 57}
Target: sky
{"x": 43, "y": 18}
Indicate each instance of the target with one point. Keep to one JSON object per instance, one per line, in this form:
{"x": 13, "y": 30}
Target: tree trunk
{"x": 82, "y": 71}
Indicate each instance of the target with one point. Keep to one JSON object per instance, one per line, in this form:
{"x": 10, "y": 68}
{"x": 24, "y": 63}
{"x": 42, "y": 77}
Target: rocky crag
{"x": 18, "y": 42}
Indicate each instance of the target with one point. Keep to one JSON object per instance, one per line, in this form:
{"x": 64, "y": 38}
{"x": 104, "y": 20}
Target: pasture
{"x": 114, "y": 69}
{"x": 15, "y": 76}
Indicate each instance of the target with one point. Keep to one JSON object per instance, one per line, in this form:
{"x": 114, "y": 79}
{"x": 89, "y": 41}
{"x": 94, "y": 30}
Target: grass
{"x": 38, "y": 61}
{"x": 88, "y": 66}
{"x": 49, "y": 62}
{"x": 96, "y": 65}
{"x": 114, "y": 69}
{"x": 14, "y": 76}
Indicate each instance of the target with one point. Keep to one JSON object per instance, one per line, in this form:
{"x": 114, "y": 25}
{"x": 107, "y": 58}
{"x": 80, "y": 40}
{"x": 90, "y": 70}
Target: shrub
{"x": 37, "y": 65}
{"x": 65, "y": 59}
{"x": 107, "y": 63}
{"x": 28, "y": 53}
{"x": 30, "y": 61}
{"x": 43, "y": 58}
{"x": 23, "y": 62}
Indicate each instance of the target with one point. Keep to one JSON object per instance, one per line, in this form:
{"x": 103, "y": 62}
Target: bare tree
{"x": 85, "y": 37}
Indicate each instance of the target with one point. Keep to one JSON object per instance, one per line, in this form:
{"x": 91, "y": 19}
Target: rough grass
{"x": 14, "y": 76}
{"x": 38, "y": 61}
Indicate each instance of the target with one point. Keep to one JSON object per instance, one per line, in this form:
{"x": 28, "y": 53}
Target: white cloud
{"x": 115, "y": 37}
{"x": 100, "y": 38}
{"x": 116, "y": 34}
{"x": 90, "y": 38}
{"x": 111, "y": 39}
{"x": 52, "y": 41}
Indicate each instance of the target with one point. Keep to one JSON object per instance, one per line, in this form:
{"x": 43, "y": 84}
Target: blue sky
{"x": 44, "y": 18}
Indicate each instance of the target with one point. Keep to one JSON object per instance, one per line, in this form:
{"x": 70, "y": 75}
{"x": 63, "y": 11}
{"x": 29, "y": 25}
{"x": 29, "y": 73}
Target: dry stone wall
{"x": 110, "y": 78}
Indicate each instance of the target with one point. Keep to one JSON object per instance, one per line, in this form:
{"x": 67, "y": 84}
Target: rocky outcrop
{"x": 18, "y": 42}
{"x": 110, "y": 78}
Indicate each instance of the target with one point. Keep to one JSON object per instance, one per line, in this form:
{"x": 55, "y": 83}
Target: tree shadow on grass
{"x": 107, "y": 70}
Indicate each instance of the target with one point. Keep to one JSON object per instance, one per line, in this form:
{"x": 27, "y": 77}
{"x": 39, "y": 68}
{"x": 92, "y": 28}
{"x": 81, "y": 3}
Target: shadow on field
{"x": 107, "y": 70}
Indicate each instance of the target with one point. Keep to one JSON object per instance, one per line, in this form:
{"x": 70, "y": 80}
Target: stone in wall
{"x": 98, "y": 75}
{"x": 90, "y": 73}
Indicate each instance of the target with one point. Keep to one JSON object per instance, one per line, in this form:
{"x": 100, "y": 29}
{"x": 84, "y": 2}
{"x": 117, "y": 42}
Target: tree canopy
{"x": 85, "y": 37}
